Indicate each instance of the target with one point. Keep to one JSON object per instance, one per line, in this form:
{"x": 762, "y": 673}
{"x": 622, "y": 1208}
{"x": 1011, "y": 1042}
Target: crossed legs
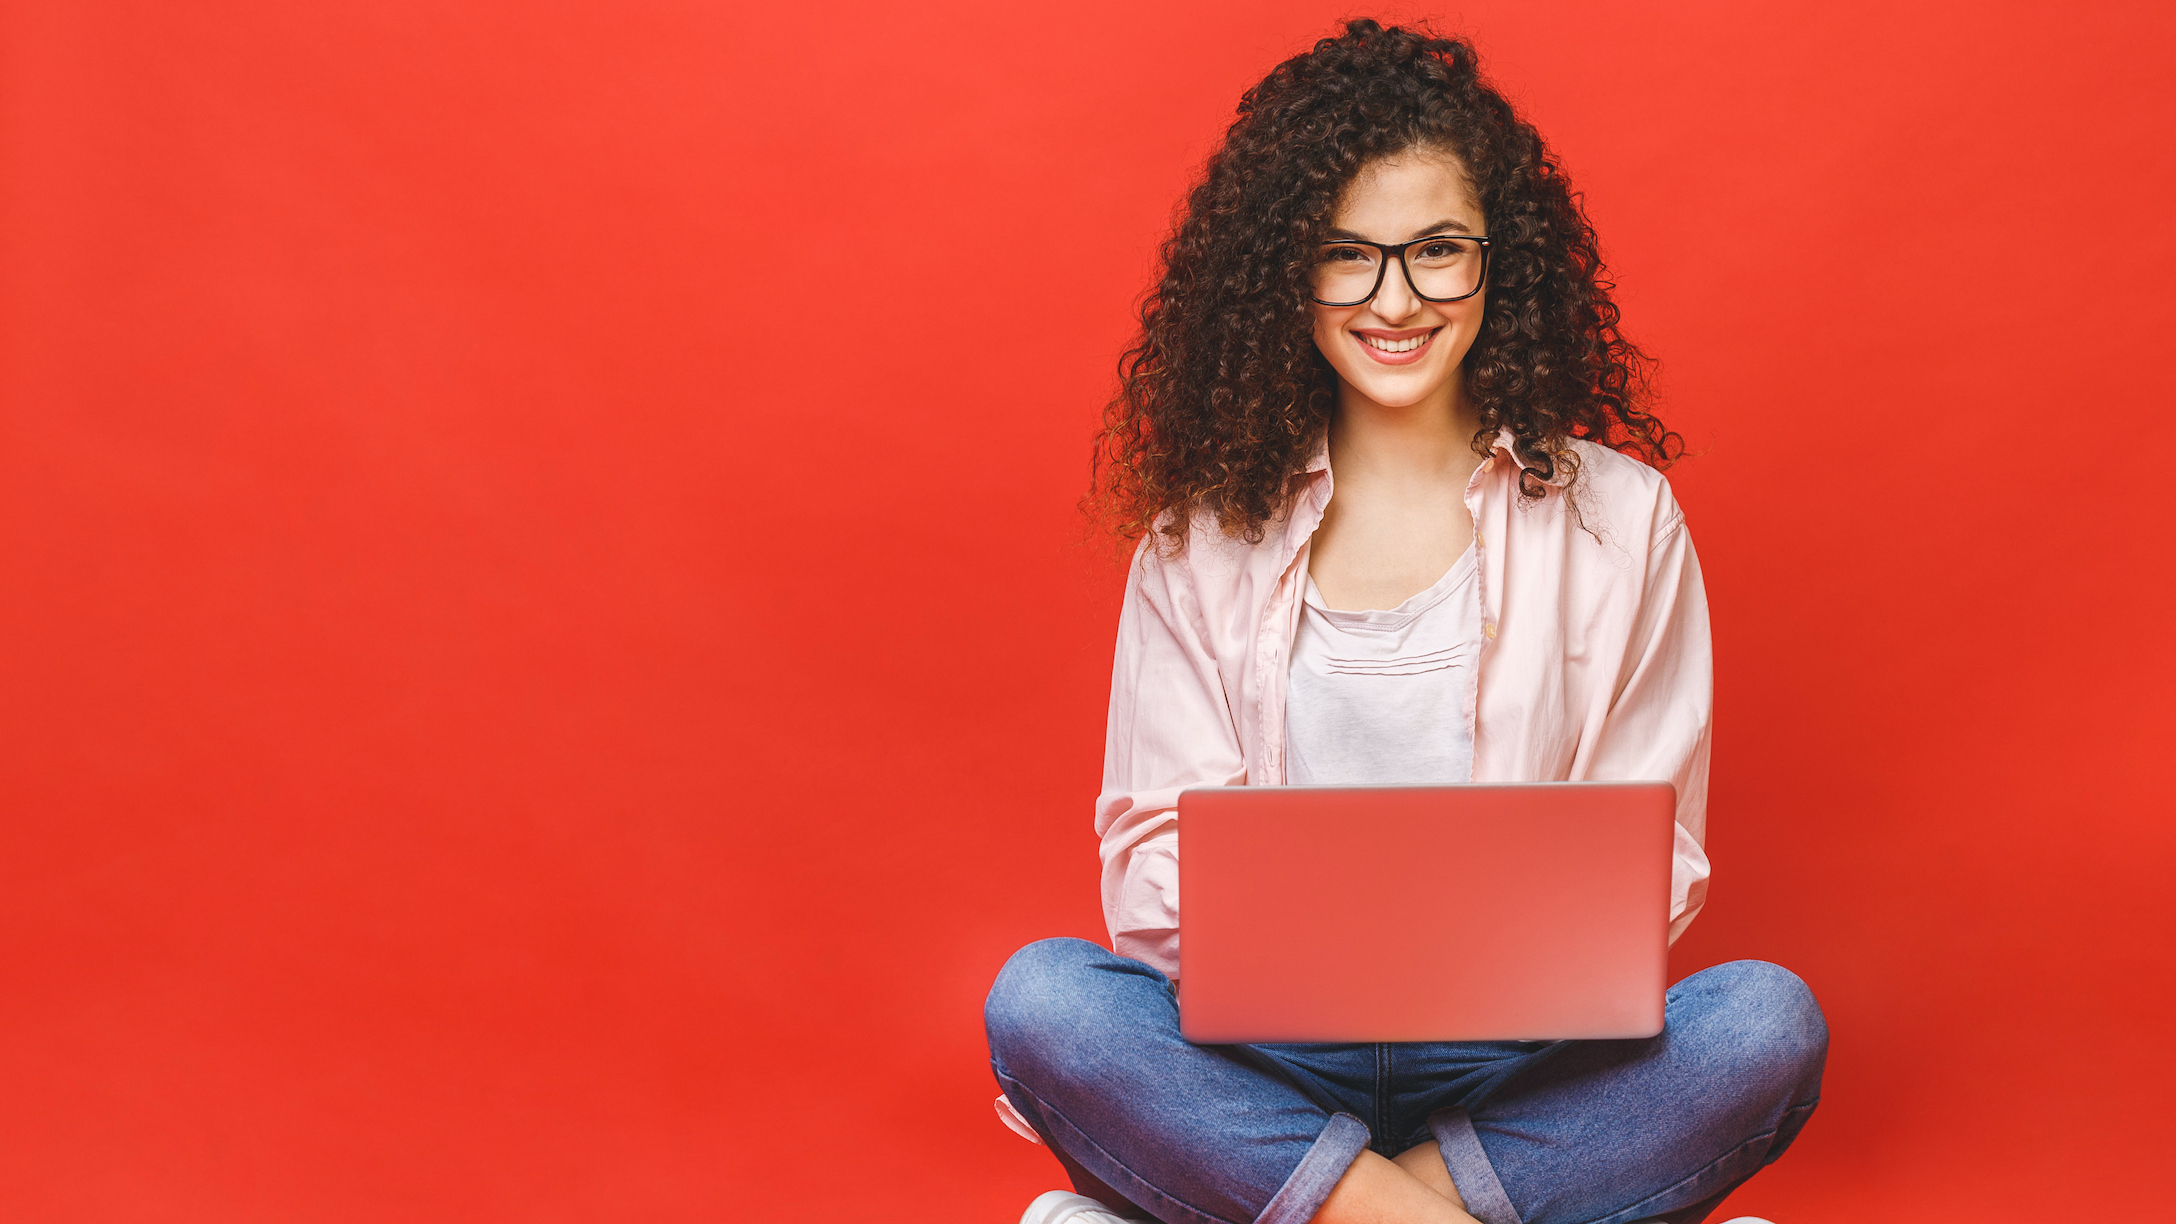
{"x": 1086, "y": 1045}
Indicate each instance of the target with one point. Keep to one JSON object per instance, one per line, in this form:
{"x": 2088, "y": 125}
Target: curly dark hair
{"x": 1224, "y": 394}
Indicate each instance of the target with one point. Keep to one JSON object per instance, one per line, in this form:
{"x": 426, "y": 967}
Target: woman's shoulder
{"x": 1620, "y": 488}
{"x": 1208, "y": 557}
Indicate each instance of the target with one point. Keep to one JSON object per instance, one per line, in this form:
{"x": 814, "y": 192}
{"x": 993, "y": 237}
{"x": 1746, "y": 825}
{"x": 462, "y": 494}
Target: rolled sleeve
{"x": 1170, "y": 728}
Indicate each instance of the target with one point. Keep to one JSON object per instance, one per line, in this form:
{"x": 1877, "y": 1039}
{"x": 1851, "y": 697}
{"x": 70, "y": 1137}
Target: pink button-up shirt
{"x": 1594, "y": 666}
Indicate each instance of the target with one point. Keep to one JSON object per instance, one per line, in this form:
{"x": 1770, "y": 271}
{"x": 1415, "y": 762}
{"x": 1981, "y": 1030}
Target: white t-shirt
{"x": 1381, "y": 697}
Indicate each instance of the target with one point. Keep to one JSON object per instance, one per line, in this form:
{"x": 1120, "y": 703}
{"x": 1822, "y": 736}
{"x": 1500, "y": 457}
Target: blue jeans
{"x": 1086, "y": 1045}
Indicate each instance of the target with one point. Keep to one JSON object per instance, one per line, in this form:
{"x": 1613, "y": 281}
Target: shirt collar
{"x": 1505, "y": 443}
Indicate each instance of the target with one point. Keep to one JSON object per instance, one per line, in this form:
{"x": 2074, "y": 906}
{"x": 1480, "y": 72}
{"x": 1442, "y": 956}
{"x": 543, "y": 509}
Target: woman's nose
{"x": 1395, "y": 300}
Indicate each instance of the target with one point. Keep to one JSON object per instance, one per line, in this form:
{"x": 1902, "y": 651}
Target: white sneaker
{"x": 1065, "y": 1207}
{"x": 1748, "y": 1220}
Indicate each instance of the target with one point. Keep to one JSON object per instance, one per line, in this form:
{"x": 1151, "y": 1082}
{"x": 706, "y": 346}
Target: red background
{"x": 546, "y": 656}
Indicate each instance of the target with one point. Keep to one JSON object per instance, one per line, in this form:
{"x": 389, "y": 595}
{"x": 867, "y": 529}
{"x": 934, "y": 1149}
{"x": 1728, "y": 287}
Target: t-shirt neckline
{"x": 1460, "y": 572}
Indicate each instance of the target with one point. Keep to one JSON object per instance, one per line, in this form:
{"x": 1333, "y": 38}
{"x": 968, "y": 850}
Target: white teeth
{"x": 1396, "y": 346}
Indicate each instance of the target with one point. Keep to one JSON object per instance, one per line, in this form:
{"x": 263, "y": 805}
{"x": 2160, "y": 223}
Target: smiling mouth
{"x": 1406, "y": 345}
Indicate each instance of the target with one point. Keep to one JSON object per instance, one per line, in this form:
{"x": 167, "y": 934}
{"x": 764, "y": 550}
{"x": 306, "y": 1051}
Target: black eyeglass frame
{"x": 1396, "y": 250}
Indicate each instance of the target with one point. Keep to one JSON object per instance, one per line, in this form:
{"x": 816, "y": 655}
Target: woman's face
{"x": 1396, "y": 349}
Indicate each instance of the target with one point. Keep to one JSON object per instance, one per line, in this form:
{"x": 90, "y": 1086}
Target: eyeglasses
{"x": 1439, "y": 268}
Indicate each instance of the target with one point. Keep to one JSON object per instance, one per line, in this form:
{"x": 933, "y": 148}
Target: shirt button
{"x": 1488, "y": 631}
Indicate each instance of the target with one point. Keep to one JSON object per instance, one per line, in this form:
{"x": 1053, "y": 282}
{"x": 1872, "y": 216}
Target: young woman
{"x": 1400, "y": 523}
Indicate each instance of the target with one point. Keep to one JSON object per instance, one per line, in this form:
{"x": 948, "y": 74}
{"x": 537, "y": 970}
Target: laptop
{"x": 1424, "y": 913}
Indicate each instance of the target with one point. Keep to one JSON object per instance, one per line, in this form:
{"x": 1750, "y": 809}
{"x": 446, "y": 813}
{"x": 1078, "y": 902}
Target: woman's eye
{"x": 1345, "y": 255}
{"x": 1442, "y": 250}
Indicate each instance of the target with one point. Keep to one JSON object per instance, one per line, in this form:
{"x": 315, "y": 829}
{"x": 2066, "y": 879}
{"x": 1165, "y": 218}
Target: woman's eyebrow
{"x": 1448, "y": 226}
{"x": 1443, "y": 227}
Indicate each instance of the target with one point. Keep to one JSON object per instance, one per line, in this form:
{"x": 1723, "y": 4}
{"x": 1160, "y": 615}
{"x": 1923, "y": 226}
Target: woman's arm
{"x": 1658, "y": 721}
{"x": 1170, "y": 728}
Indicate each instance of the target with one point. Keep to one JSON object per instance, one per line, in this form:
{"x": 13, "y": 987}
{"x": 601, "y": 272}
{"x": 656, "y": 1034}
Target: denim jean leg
{"x": 1086, "y": 1044}
{"x": 1088, "y": 1184}
{"x": 1614, "y": 1132}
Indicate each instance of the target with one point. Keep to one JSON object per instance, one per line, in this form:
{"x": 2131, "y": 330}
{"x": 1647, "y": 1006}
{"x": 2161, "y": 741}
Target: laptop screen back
{"x": 1430, "y": 913}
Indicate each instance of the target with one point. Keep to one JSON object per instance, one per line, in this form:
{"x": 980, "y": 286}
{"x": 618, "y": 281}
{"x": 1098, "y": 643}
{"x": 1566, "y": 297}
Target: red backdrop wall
{"x": 548, "y": 657}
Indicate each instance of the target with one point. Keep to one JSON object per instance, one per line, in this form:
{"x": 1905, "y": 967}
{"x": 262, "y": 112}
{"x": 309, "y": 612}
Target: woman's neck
{"x": 1419, "y": 443}
{"x": 1397, "y": 518}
